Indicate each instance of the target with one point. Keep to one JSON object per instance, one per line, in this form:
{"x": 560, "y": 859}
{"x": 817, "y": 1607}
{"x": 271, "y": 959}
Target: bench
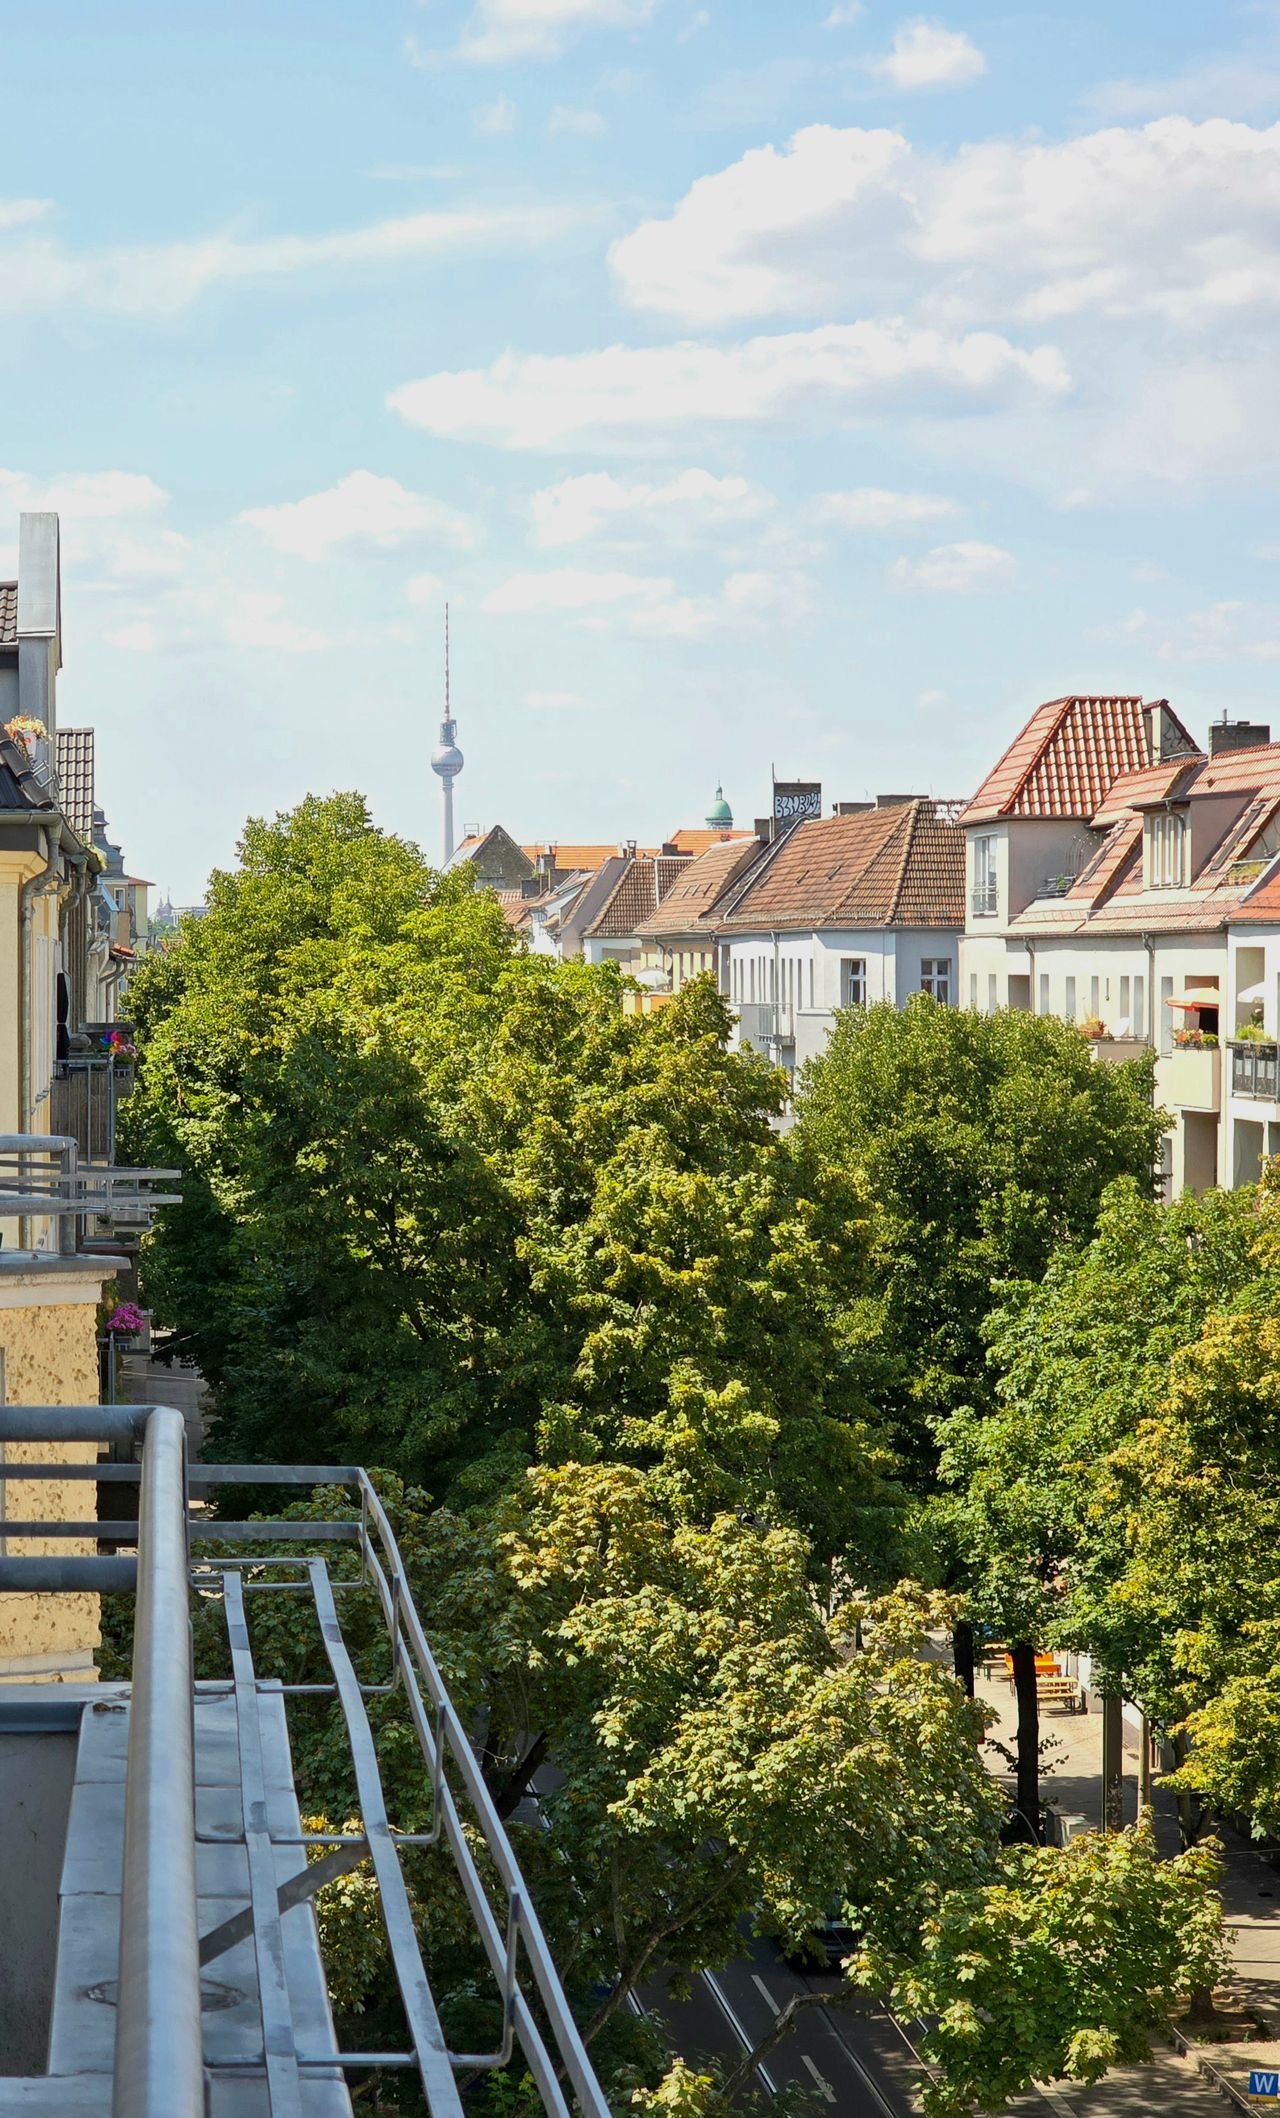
{"x": 1061, "y": 1691}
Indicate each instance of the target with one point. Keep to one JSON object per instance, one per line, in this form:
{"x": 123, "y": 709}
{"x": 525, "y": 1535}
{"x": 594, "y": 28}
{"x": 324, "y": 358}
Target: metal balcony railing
{"x": 88, "y": 1090}
{"x": 1255, "y": 1070}
{"x": 982, "y": 899}
{"x": 43, "y": 1177}
{"x": 163, "y": 2064}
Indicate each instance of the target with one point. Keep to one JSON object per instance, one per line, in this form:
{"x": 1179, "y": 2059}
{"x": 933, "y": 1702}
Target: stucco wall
{"x": 48, "y": 1340}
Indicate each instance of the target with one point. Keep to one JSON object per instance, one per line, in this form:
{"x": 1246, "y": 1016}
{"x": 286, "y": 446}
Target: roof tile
{"x": 899, "y": 866}
{"x": 1067, "y": 758}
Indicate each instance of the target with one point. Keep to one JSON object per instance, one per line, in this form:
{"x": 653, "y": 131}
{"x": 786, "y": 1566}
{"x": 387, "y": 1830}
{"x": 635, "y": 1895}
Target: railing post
{"x": 159, "y": 2064}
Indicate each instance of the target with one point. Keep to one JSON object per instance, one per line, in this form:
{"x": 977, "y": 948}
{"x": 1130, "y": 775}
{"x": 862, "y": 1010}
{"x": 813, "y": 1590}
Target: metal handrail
{"x": 159, "y": 2065}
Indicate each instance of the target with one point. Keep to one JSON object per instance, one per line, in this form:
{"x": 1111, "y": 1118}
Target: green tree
{"x": 1061, "y": 1968}
{"x": 986, "y": 1143}
{"x": 447, "y": 1205}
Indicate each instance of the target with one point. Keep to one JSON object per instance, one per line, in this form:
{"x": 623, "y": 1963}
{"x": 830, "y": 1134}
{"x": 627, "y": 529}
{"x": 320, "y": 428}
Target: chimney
{"x": 852, "y": 808}
{"x": 765, "y": 830}
{"x": 893, "y": 801}
{"x": 1164, "y": 738}
{"x": 1237, "y": 735}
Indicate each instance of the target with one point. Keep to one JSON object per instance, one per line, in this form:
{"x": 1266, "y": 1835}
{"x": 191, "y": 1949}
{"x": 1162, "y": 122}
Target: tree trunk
{"x": 962, "y": 1653}
{"x": 513, "y": 1789}
{"x": 1024, "y": 1685}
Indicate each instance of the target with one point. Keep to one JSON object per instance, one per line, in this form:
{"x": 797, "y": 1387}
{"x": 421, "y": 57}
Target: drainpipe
{"x": 36, "y": 886}
{"x": 1149, "y": 944}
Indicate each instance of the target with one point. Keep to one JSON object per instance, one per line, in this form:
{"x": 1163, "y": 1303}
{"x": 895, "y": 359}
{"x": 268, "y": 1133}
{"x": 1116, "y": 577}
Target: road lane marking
{"x": 747, "y": 2043}
{"x": 764, "y": 1992}
{"x": 821, "y": 2079}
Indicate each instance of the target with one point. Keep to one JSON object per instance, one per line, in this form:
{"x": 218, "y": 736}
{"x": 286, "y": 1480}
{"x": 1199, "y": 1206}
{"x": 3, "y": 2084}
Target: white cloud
{"x": 572, "y": 589}
{"x": 540, "y": 29}
{"x": 928, "y": 700}
{"x": 841, "y": 16}
{"x": 424, "y": 591}
{"x": 694, "y": 499}
{"x": 554, "y": 701}
{"x": 39, "y": 273}
{"x": 500, "y": 116}
{"x": 361, "y": 508}
{"x": 924, "y": 55}
{"x": 1000, "y": 230}
{"x": 82, "y": 496}
{"x": 956, "y": 569}
{"x": 871, "y": 507}
{"x": 259, "y": 619}
{"x": 1231, "y": 630}
{"x": 530, "y": 401}
{"x": 108, "y": 521}
{"x": 1210, "y": 88}
{"x": 699, "y": 20}
{"x": 587, "y": 124}
{"x": 16, "y": 213}
{"x": 649, "y": 604}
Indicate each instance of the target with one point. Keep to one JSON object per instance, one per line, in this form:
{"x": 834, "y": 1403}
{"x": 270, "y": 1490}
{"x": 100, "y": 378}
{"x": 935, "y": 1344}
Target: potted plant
{"x": 1095, "y": 1029}
{"x": 1188, "y": 1040}
{"x": 118, "y": 1048}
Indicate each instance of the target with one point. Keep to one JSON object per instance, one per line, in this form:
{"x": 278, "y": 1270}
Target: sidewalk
{"x": 1178, "y": 2086}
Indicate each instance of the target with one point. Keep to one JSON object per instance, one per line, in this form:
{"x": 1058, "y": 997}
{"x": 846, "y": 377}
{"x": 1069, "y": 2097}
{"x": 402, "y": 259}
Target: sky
{"x": 789, "y": 383}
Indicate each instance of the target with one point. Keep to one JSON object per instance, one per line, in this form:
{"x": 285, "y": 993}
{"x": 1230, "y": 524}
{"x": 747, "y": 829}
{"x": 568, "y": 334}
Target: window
{"x": 935, "y": 978}
{"x": 1125, "y": 1024}
{"x": 973, "y": 991}
{"x": 1139, "y": 1007}
{"x": 1093, "y": 1000}
{"x": 1044, "y": 992}
{"x": 753, "y": 978}
{"x": 984, "y": 875}
{"x": 811, "y": 981}
{"x": 1069, "y": 1003}
{"x": 1166, "y": 851}
{"x": 853, "y": 981}
{"x": 992, "y": 1001}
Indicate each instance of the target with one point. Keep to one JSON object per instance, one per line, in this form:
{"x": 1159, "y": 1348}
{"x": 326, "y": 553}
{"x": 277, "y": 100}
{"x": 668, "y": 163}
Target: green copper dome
{"x": 721, "y": 815}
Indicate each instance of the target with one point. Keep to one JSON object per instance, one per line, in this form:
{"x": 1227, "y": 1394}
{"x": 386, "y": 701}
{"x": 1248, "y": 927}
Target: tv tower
{"x": 446, "y": 758}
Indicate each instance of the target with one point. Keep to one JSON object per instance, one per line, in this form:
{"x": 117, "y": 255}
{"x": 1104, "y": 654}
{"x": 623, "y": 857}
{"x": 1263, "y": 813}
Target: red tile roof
{"x": 1067, "y": 758}
{"x": 689, "y": 906}
{"x": 699, "y": 841}
{"x": 8, "y": 613}
{"x": 639, "y": 890}
{"x": 1262, "y": 905}
{"x": 570, "y": 858}
{"x": 899, "y": 866}
{"x": 1109, "y": 896}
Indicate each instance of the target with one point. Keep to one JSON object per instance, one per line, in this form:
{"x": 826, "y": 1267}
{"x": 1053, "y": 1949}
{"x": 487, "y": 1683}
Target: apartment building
{"x": 866, "y": 905}
{"x": 1123, "y": 879}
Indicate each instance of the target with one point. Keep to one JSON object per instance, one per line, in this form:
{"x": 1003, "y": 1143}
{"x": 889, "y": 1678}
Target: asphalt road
{"x": 852, "y": 2059}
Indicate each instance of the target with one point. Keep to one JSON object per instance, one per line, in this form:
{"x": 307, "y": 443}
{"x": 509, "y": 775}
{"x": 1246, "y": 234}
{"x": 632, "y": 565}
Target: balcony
{"x": 176, "y": 1875}
{"x": 1255, "y": 1070}
{"x": 1190, "y": 1078}
{"x": 1113, "y": 1051}
{"x": 765, "y": 1024}
{"x": 87, "y": 1093}
{"x": 44, "y": 1178}
{"x": 982, "y": 900}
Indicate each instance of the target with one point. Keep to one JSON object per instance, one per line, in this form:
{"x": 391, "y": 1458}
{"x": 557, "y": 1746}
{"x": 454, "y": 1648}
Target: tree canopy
{"x": 986, "y": 1142}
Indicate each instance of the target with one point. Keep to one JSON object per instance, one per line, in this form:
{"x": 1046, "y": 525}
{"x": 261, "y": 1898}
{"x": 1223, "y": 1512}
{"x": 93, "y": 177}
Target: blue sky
{"x": 819, "y": 386}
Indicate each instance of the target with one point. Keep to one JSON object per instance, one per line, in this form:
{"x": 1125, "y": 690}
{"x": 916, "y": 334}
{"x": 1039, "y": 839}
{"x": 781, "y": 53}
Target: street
{"x": 851, "y": 2058}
